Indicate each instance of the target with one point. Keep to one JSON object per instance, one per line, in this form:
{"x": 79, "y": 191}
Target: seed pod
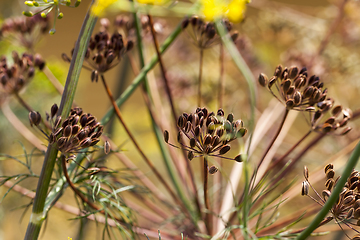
{"x": 166, "y": 136}
{"x": 263, "y": 79}
{"x": 181, "y": 121}
{"x": 35, "y": 118}
{"x": 286, "y": 85}
{"x": 293, "y": 72}
{"x": 83, "y": 120}
{"x": 306, "y": 172}
{"x": 215, "y": 141}
{"x": 305, "y": 188}
{"x": 329, "y": 184}
{"x": 238, "y": 158}
{"x": 187, "y": 127}
{"x": 94, "y": 76}
{"x": 326, "y": 194}
{"x": 349, "y": 200}
{"x": 192, "y": 142}
{"x": 106, "y": 147}
{"x": 357, "y": 213}
{"x": 213, "y": 169}
{"x": 356, "y": 237}
{"x": 207, "y": 139}
{"x": 82, "y": 134}
{"x": 220, "y": 112}
{"x": 54, "y": 109}
{"x": 330, "y": 173}
{"x": 67, "y": 131}
{"x": 328, "y": 166}
{"x": 350, "y": 213}
{"x": 224, "y": 149}
{"x": 197, "y": 131}
{"x": 85, "y": 142}
{"x": 185, "y": 23}
{"x": 190, "y": 155}
{"x": 61, "y": 142}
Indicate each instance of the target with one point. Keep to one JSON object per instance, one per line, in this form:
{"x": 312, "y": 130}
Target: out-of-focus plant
{"x": 219, "y": 181}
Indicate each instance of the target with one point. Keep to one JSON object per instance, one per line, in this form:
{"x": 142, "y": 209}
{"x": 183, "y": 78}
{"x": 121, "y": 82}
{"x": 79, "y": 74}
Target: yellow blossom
{"x": 100, "y": 6}
{"x": 233, "y": 10}
{"x": 152, "y": 2}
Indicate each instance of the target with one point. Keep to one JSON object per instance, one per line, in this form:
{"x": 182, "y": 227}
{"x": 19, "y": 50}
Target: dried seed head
{"x": 326, "y": 194}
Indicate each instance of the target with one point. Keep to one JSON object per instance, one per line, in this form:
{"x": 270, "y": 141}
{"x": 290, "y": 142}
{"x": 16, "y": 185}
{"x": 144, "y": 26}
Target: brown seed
{"x": 263, "y": 79}
{"x": 106, "y": 147}
{"x": 306, "y": 172}
{"x": 293, "y": 72}
{"x": 286, "y": 85}
{"x": 326, "y": 194}
{"x": 328, "y": 166}
{"x": 207, "y": 139}
{"x": 272, "y": 80}
{"x": 238, "y": 158}
{"x": 357, "y": 213}
{"x": 297, "y": 98}
{"x": 197, "y": 131}
{"x": 215, "y": 141}
{"x": 187, "y": 127}
{"x": 54, "y": 109}
{"x": 350, "y": 213}
{"x": 330, "y": 173}
{"x": 290, "y": 103}
{"x": 166, "y": 136}
{"x": 356, "y": 237}
{"x": 357, "y": 204}
{"x": 85, "y": 142}
{"x": 190, "y": 155}
{"x": 305, "y": 188}
{"x": 329, "y": 184}
{"x": 192, "y": 142}
{"x": 224, "y": 149}
{"x": 349, "y": 200}
{"x": 213, "y": 169}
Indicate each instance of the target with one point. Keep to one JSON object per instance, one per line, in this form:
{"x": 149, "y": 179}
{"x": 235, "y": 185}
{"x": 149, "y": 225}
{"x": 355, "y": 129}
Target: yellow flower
{"x": 100, "y": 6}
{"x": 152, "y": 2}
{"x": 233, "y": 10}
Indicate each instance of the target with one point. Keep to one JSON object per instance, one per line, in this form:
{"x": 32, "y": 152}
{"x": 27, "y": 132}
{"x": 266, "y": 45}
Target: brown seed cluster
{"x": 79, "y": 130}
{"x": 294, "y": 88}
{"x": 203, "y": 33}
{"x": 335, "y": 123}
{"x": 14, "y": 77}
{"x": 208, "y": 133}
{"x": 104, "y": 52}
{"x": 347, "y": 208}
{"x": 25, "y": 30}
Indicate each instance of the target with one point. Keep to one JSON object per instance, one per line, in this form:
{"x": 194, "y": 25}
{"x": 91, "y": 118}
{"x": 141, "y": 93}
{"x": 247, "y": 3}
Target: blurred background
{"x": 284, "y": 32}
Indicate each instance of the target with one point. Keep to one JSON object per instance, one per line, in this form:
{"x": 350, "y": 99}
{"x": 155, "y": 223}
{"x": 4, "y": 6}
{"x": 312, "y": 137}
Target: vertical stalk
{"x": 208, "y": 220}
{"x": 334, "y": 195}
{"x": 38, "y": 214}
{"x": 221, "y": 78}
{"x": 200, "y": 76}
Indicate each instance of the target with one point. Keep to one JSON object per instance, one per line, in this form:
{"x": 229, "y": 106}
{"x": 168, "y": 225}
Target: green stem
{"x": 38, "y": 214}
{"x": 334, "y": 195}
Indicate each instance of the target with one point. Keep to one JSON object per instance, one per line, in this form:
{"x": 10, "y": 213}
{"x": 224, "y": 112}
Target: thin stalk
{"x": 288, "y": 152}
{"x": 274, "y": 138}
{"x": 200, "y": 76}
{"x": 38, "y": 214}
{"x": 302, "y": 153}
{"x": 22, "y": 102}
{"x": 148, "y": 162}
{"x": 334, "y": 195}
{"x": 163, "y": 71}
{"x": 221, "y": 78}
{"x": 53, "y": 80}
{"x": 21, "y": 128}
{"x": 208, "y": 220}
{"x": 140, "y": 78}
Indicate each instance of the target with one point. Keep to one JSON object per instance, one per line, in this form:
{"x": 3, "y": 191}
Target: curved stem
{"x": 148, "y": 162}
{"x": 334, "y": 195}
{"x": 22, "y": 102}
{"x": 163, "y": 72}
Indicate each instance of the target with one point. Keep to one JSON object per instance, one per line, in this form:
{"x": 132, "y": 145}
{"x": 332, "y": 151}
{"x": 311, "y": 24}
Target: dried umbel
{"x": 330, "y": 118}
{"x": 347, "y": 208}
{"x": 294, "y": 88}
{"x": 14, "y": 77}
{"x": 104, "y": 52}
{"x": 25, "y": 31}
{"x": 203, "y": 33}
{"x": 79, "y": 130}
{"x": 208, "y": 134}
